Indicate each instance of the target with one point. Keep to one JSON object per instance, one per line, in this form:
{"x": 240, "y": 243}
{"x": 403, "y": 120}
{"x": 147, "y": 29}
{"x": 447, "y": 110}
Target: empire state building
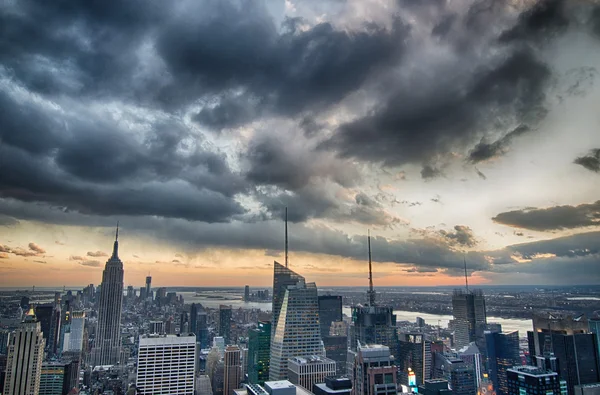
{"x": 107, "y": 346}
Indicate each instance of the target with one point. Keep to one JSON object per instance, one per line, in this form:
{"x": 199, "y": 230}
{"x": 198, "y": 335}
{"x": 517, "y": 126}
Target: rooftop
{"x": 531, "y": 371}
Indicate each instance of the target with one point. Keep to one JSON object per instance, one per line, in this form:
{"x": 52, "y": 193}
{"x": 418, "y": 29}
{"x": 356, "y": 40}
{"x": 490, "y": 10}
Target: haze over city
{"x": 453, "y": 130}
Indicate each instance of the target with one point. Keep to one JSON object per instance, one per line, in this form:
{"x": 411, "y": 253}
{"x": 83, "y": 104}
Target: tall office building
{"x": 298, "y": 332}
{"x": 107, "y": 344}
{"x": 472, "y": 356}
{"x": 414, "y": 352}
{"x": 199, "y": 324}
{"x": 49, "y": 317}
{"x": 563, "y": 344}
{"x": 25, "y": 355}
{"x": 282, "y": 277}
{"x": 166, "y": 365}
{"x": 531, "y": 380}
{"x": 148, "y": 289}
{"x": 73, "y": 340}
{"x": 225, "y": 323}
{"x": 4, "y": 335}
{"x": 460, "y": 375}
{"x": 52, "y": 378}
{"x": 203, "y": 386}
{"x": 307, "y": 371}
{"x": 336, "y": 348}
{"x": 330, "y": 310}
{"x": 259, "y": 353}
{"x": 470, "y": 319}
{"x": 232, "y": 365}
{"x": 247, "y": 293}
{"x": 502, "y": 354}
{"x": 374, "y": 372}
{"x": 587, "y": 389}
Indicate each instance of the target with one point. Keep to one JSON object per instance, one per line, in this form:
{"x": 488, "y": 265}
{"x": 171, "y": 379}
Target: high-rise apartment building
{"x": 166, "y": 365}
{"x": 374, "y": 372}
{"x": 470, "y": 319}
{"x": 225, "y": 323}
{"x": 232, "y": 364}
{"x": 531, "y": 380}
{"x": 259, "y": 353}
{"x": 107, "y": 344}
{"x": 414, "y": 352}
{"x": 298, "y": 332}
{"x": 307, "y": 371}
{"x": 25, "y": 356}
{"x": 502, "y": 354}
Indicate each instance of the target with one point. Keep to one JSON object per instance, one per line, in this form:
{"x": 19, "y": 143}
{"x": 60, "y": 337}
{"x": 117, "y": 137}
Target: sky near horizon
{"x": 453, "y": 130}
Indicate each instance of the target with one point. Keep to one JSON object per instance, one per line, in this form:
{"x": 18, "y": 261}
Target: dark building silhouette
{"x": 435, "y": 387}
{"x": 333, "y": 386}
{"x": 502, "y": 354}
{"x": 199, "y": 324}
{"x": 225, "y": 323}
{"x": 336, "y": 348}
{"x": 470, "y": 318}
{"x": 413, "y": 352}
{"x": 330, "y": 310}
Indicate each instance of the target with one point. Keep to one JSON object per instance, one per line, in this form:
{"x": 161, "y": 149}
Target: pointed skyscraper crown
{"x": 115, "y": 253}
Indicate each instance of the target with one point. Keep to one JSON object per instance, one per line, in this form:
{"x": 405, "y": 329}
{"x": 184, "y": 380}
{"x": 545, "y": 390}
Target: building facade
{"x": 307, "y": 371}
{"x": 166, "y": 365}
{"x": 374, "y": 372}
{"x": 232, "y": 369}
{"x": 373, "y": 325}
{"x": 259, "y": 353}
{"x": 502, "y": 354}
{"x": 107, "y": 344}
{"x": 25, "y": 355}
{"x": 413, "y": 352}
{"x": 531, "y": 380}
{"x": 225, "y": 323}
{"x": 330, "y": 310}
{"x": 470, "y": 318}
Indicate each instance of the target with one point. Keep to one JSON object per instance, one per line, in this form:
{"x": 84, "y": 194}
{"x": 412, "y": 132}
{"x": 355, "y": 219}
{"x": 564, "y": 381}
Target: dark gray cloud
{"x": 552, "y": 218}
{"x": 429, "y": 171}
{"x": 583, "y": 244}
{"x": 462, "y": 236}
{"x": 419, "y": 124}
{"x": 590, "y": 161}
{"x": 484, "y": 150}
{"x": 542, "y": 21}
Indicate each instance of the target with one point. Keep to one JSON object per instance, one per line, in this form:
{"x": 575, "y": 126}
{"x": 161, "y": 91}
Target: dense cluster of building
{"x": 107, "y": 340}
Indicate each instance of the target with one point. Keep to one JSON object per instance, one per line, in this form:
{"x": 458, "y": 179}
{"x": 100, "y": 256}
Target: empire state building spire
{"x": 115, "y": 254}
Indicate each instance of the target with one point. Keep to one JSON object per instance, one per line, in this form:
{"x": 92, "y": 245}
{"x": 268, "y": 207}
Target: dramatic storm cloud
{"x": 194, "y": 124}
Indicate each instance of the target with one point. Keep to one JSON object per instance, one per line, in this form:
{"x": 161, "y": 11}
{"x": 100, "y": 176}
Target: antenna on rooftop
{"x": 371, "y": 290}
{"x": 286, "y": 239}
{"x": 466, "y": 278}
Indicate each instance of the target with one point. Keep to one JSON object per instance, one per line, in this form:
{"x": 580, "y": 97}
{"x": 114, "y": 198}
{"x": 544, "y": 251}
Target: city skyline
{"x": 452, "y": 130}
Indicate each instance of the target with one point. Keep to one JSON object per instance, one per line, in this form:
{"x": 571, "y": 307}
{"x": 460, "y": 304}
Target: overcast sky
{"x": 452, "y": 129}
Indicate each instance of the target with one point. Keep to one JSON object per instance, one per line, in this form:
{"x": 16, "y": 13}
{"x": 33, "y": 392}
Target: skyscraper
{"x": 298, "y": 333}
{"x": 502, "y": 354}
{"x": 460, "y": 375}
{"x": 374, "y": 372}
{"x": 563, "y": 344}
{"x": 25, "y": 355}
{"x": 74, "y": 338}
{"x": 232, "y": 370}
{"x": 594, "y": 324}
{"x": 225, "y": 323}
{"x": 282, "y": 277}
{"x": 107, "y": 344}
{"x": 330, "y": 310}
{"x": 247, "y": 293}
{"x": 259, "y": 353}
{"x": 49, "y": 317}
{"x": 531, "y": 380}
{"x": 414, "y": 352}
{"x": 166, "y": 365}
{"x": 470, "y": 317}
{"x": 148, "y": 288}
{"x": 199, "y": 324}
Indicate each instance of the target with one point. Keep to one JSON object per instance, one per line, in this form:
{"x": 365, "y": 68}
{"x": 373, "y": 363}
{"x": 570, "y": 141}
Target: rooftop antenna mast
{"x": 286, "y": 239}
{"x": 466, "y": 278}
{"x": 117, "y": 234}
{"x": 371, "y": 291}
